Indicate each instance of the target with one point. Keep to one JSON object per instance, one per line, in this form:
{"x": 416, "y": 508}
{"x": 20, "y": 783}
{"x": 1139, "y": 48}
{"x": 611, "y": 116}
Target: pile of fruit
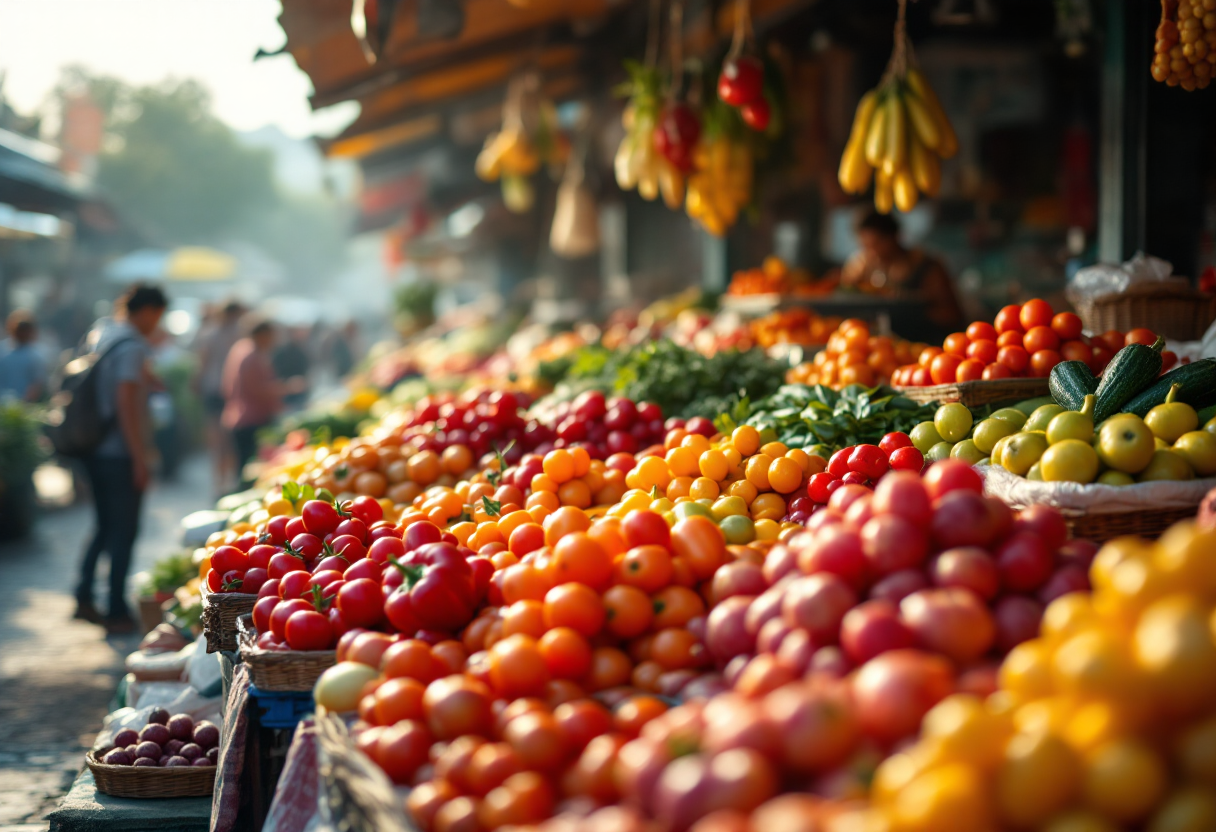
{"x": 1185, "y": 50}
{"x": 166, "y": 742}
{"x": 1103, "y": 722}
{"x": 775, "y": 277}
{"x": 793, "y": 326}
{"x": 854, "y": 356}
{"x": 1025, "y": 341}
{"x": 864, "y": 465}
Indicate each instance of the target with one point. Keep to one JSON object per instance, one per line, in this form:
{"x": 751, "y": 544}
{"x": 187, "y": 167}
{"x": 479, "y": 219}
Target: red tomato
{"x": 955, "y": 344}
{"x": 1040, "y": 338}
{"x": 1067, "y": 326}
{"x": 996, "y": 371}
{"x": 969, "y": 370}
{"x": 1168, "y": 359}
{"x": 1008, "y": 319}
{"x": 1102, "y": 354}
{"x": 1140, "y": 336}
{"x": 944, "y": 368}
{"x": 981, "y": 331}
{"x": 983, "y": 351}
{"x": 1042, "y": 362}
{"x": 320, "y": 517}
{"x": 741, "y": 81}
{"x": 284, "y": 611}
{"x": 1076, "y": 351}
{"x": 1015, "y": 359}
{"x": 1035, "y": 312}
{"x": 642, "y": 527}
{"x": 927, "y": 355}
{"x": 361, "y": 603}
{"x": 921, "y": 377}
{"x": 1114, "y": 339}
{"x": 308, "y": 630}
{"x": 1012, "y": 338}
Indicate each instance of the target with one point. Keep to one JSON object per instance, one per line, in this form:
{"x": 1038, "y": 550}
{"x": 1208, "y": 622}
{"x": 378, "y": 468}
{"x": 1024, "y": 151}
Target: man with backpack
{"x": 118, "y": 464}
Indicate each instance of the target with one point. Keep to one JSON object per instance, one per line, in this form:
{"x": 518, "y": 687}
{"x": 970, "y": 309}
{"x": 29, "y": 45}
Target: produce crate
{"x": 141, "y": 782}
{"x": 356, "y": 791}
{"x": 1170, "y": 308}
{"x": 1102, "y": 512}
{"x": 281, "y": 709}
{"x": 220, "y": 613}
{"x": 280, "y": 670}
{"x": 978, "y": 393}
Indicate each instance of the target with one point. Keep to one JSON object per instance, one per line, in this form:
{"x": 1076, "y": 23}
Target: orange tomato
{"x": 646, "y": 567}
{"x": 575, "y": 606}
{"x": 565, "y": 520}
{"x": 411, "y": 659}
{"x": 675, "y": 606}
{"x": 1114, "y": 339}
{"x": 523, "y": 582}
{"x": 398, "y": 699}
{"x": 784, "y": 475}
{"x": 578, "y": 557}
{"x": 575, "y": 493}
{"x": 629, "y": 611}
{"x": 609, "y": 669}
{"x": 646, "y": 675}
{"x": 526, "y": 538}
{"x": 607, "y": 533}
{"x": 857, "y": 374}
{"x": 517, "y": 667}
{"x": 927, "y": 355}
{"x": 1040, "y": 338}
{"x": 567, "y": 653}
{"x": 537, "y": 739}
{"x": 1014, "y": 359}
{"x": 969, "y": 370}
{"x": 676, "y": 649}
{"x": 955, "y": 344}
{"x": 1035, "y": 312}
{"x": 633, "y": 714}
{"x": 1042, "y": 362}
{"x": 1140, "y": 336}
{"x": 1012, "y": 338}
{"x": 527, "y": 617}
{"x": 981, "y": 331}
{"x": 559, "y": 465}
{"x": 1076, "y": 350}
{"x": 1009, "y": 319}
{"x": 944, "y": 368}
{"x": 1066, "y": 325}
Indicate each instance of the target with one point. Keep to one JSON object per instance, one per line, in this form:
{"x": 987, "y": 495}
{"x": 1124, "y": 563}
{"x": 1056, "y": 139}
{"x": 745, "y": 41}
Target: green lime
{"x": 1035, "y": 473}
{"x": 1042, "y": 417}
{"x": 967, "y": 452}
{"x": 990, "y": 431}
{"x": 739, "y": 529}
{"x": 953, "y": 422}
{"x": 939, "y": 452}
{"x": 924, "y": 436}
{"x": 1010, "y": 414}
{"x": 691, "y": 508}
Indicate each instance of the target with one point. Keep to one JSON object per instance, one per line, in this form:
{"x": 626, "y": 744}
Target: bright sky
{"x": 144, "y": 41}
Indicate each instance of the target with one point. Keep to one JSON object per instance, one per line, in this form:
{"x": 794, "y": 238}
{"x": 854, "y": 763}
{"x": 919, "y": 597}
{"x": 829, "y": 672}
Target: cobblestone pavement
{"x": 57, "y": 675}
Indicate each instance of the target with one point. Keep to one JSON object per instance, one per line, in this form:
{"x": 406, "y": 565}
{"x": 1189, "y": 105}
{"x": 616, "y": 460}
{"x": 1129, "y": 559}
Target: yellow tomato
{"x": 1039, "y": 776}
{"x": 1026, "y": 672}
{"x": 1068, "y": 615}
{"x": 967, "y": 730}
{"x": 1044, "y": 716}
{"x": 1096, "y": 723}
{"x": 1184, "y": 553}
{"x": 949, "y": 798}
{"x": 1174, "y": 649}
{"x": 280, "y": 508}
{"x": 746, "y": 439}
{"x": 1124, "y": 781}
{"x": 1112, "y": 554}
{"x": 1095, "y": 663}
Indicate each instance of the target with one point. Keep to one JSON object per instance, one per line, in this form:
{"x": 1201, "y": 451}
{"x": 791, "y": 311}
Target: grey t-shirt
{"x": 125, "y": 362}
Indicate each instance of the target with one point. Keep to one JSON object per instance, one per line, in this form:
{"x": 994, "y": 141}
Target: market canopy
{"x": 189, "y": 263}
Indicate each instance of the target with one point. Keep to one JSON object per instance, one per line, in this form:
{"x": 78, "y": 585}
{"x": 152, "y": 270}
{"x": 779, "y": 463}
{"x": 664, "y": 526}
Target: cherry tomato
{"x": 283, "y": 611}
{"x": 308, "y": 630}
{"x": 741, "y": 81}
{"x": 320, "y": 517}
{"x": 361, "y": 603}
{"x": 366, "y": 509}
{"x": 756, "y": 114}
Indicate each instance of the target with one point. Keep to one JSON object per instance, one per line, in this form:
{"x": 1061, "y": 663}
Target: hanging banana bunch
{"x": 899, "y": 136}
{"x": 516, "y": 152}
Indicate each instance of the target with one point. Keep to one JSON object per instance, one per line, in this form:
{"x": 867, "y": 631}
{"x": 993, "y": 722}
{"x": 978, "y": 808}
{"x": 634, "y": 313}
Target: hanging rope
{"x": 676, "y": 40}
{"x": 743, "y": 29}
{"x": 653, "y": 34}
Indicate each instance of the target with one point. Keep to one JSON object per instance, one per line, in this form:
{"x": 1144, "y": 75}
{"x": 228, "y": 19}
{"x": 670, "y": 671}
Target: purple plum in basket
{"x": 125, "y": 737}
{"x": 130, "y": 749}
{"x": 181, "y": 727}
{"x": 206, "y": 735}
{"x": 148, "y": 749}
{"x": 153, "y": 732}
{"x": 145, "y": 762}
{"x": 202, "y": 761}
{"x": 177, "y": 762}
{"x": 213, "y": 754}
{"x": 173, "y": 746}
{"x": 117, "y": 757}
{"x": 164, "y": 759}
{"x": 190, "y": 751}
{"x": 159, "y": 716}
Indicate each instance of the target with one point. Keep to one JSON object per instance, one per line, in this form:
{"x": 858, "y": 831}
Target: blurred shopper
{"x": 22, "y": 366}
{"x": 343, "y": 349}
{"x": 253, "y": 396}
{"x": 211, "y": 348}
{"x": 291, "y": 360}
{"x": 118, "y": 469}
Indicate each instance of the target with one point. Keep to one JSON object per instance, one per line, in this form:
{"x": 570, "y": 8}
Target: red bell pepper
{"x": 438, "y": 590}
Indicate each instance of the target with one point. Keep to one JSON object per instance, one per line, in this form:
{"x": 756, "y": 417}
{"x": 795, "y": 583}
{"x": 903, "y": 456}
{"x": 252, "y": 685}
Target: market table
{"x": 84, "y": 809}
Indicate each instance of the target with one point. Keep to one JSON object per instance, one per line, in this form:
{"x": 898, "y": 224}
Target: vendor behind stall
{"x": 882, "y": 266}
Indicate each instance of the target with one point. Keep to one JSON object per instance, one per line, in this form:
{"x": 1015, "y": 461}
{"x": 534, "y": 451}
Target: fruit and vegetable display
{"x": 1184, "y": 54}
{"x": 165, "y": 742}
{"x": 900, "y": 135}
{"x": 793, "y": 326}
{"x": 855, "y": 356}
{"x": 1025, "y": 340}
{"x": 775, "y": 277}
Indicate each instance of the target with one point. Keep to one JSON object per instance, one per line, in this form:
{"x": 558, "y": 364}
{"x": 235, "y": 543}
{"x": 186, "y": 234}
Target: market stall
{"x": 766, "y": 553}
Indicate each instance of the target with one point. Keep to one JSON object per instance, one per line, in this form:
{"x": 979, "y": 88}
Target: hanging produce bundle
{"x": 722, "y": 182}
{"x": 529, "y": 136}
{"x": 900, "y": 135}
{"x": 658, "y": 142}
{"x": 741, "y": 81}
{"x": 1186, "y": 44}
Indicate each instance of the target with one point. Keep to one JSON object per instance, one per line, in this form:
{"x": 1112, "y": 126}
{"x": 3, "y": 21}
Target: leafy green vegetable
{"x": 169, "y": 573}
{"x": 681, "y": 381}
{"x": 803, "y": 416}
{"x": 21, "y": 447}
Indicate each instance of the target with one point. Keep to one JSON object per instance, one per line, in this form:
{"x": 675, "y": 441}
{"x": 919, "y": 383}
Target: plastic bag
{"x": 1107, "y": 279}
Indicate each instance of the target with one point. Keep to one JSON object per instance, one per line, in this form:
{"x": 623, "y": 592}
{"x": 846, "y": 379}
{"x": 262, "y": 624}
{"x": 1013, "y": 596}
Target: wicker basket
{"x": 978, "y": 393}
{"x": 220, "y": 613}
{"x": 1149, "y": 523}
{"x": 356, "y": 791}
{"x": 148, "y": 782}
{"x": 281, "y": 670}
{"x": 1170, "y": 308}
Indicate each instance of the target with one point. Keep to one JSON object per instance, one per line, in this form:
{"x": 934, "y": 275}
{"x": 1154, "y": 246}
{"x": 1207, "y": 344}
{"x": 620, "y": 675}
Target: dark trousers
{"x": 246, "y": 442}
{"x": 117, "y": 503}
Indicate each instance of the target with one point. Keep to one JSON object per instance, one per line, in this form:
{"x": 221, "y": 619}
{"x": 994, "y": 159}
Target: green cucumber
{"x": 1207, "y": 414}
{"x": 1070, "y": 382}
{"x": 1197, "y": 388}
{"x": 1132, "y": 369}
